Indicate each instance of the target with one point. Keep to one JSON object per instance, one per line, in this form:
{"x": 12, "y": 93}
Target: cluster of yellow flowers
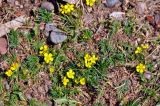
{"x": 65, "y": 9}
{"x": 48, "y": 57}
{"x": 13, "y": 67}
{"x": 141, "y": 48}
{"x": 90, "y": 60}
{"x": 141, "y": 68}
{"x": 90, "y": 2}
{"x": 71, "y": 75}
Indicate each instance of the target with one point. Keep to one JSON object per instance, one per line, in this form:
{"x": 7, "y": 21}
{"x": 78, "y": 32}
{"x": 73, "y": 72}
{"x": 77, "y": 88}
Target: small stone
{"x": 49, "y": 28}
{"x": 7, "y": 85}
{"x": 21, "y": 6}
{"x": 1, "y": 103}
{"x": 117, "y": 15}
{"x": 17, "y": 3}
{"x": 71, "y": 1}
{"x": 148, "y": 75}
{"x": 0, "y": 3}
{"x": 157, "y": 20}
{"x": 141, "y": 8}
{"x": 47, "y": 5}
{"x": 111, "y": 3}
{"x": 57, "y": 37}
{"x": 3, "y": 46}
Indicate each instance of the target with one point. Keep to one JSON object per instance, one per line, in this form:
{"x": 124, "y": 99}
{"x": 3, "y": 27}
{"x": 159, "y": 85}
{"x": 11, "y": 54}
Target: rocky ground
{"x": 105, "y": 54}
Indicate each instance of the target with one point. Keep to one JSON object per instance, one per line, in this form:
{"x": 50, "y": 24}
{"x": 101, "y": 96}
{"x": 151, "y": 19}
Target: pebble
{"x": 1, "y": 103}
{"x": 148, "y": 75}
{"x": 117, "y": 15}
{"x": 111, "y": 3}
{"x": 47, "y": 5}
{"x": 71, "y": 1}
{"x": 141, "y": 8}
{"x": 55, "y": 35}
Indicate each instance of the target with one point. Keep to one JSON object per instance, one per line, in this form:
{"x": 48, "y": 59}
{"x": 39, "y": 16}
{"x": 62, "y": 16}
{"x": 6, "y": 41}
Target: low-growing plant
{"x": 43, "y": 16}
{"x": 13, "y": 38}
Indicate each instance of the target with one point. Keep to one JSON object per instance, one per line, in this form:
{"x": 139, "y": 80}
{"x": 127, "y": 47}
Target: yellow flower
{"x": 70, "y": 74}
{"x": 141, "y": 68}
{"x": 90, "y": 2}
{"x": 82, "y": 81}
{"x": 51, "y": 69}
{"x": 14, "y": 66}
{"x": 8, "y": 73}
{"x": 138, "y": 50}
{"x": 76, "y": 81}
{"x": 43, "y": 50}
{"x": 65, "y": 9}
{"x": 48, "y": 57}
{"x": 65, "y": 81}
{"x": 90, "y": 60}
{"x": 145, "y": 46}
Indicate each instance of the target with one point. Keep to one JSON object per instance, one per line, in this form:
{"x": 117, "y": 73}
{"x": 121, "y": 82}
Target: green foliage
{"x": 71, "y": 24}
{"x": 34, "y": 102}
{"x": 129, "y": 27}
{"x": 13, "y": 38}
{"x": 36, "y": 45}
{"x": 114, "y": 26}
{"x": 64, "y": 101}
{"x": 1, "y": 85}
{"x": 149, "y": 92}
{"x": 86, "y": 35}
{"x": 32, "y": 64}
{"x": 123, "y": 88}
{"x": 44, "y": 16}
{"x": 105, "y": 47}
{"x": 132, "y": 103}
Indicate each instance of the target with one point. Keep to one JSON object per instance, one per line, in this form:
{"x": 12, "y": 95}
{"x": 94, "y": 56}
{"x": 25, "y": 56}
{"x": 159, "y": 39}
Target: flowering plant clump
{"x": 90, "y": 60}
{"x": 65, "y": 9}
{"x": 51, "y": 69}
{"x": 90, "y": 2}
{"x": 13, "y": 67}
{"x": 141, "y": 48}
{"x": 65, "y": 81}
{"x": 141, "y": 68}
{"x": 82, "y": 81}
{"x": 43, "y": 50}
{"x": 9, "y": 73}
{"x": 48, "y": 57}
{"x": 70, "y": 74}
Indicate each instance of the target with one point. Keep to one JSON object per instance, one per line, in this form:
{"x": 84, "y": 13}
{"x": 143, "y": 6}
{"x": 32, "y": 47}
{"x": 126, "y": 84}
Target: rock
{"x": 0, "y": 3}
{"x": 157, "y": 20}
{"x": 117, "y": 15}
{"x": 1, "y": 103}
{"x": 141, "y": 8}
{"x": 71, "y": 1}
{"x": 49, "y": 28}
{"x": 3, "y": 46}
{"x": 57, "y": 37}
{"x": 111, "y": 3}
{"x": 47, "y": 5}
{"x": 148, "y": 75}
{"x": 6, "y": 85}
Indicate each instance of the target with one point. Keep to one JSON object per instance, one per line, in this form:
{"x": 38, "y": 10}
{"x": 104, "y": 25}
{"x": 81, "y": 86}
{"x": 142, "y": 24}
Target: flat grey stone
{"x": 111, "y": 3}
{"x": 47, "y": 5}
{"x": 57, "y": 37}
{"x": 71, "y": 1}
{"x": 49, "y": 28}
